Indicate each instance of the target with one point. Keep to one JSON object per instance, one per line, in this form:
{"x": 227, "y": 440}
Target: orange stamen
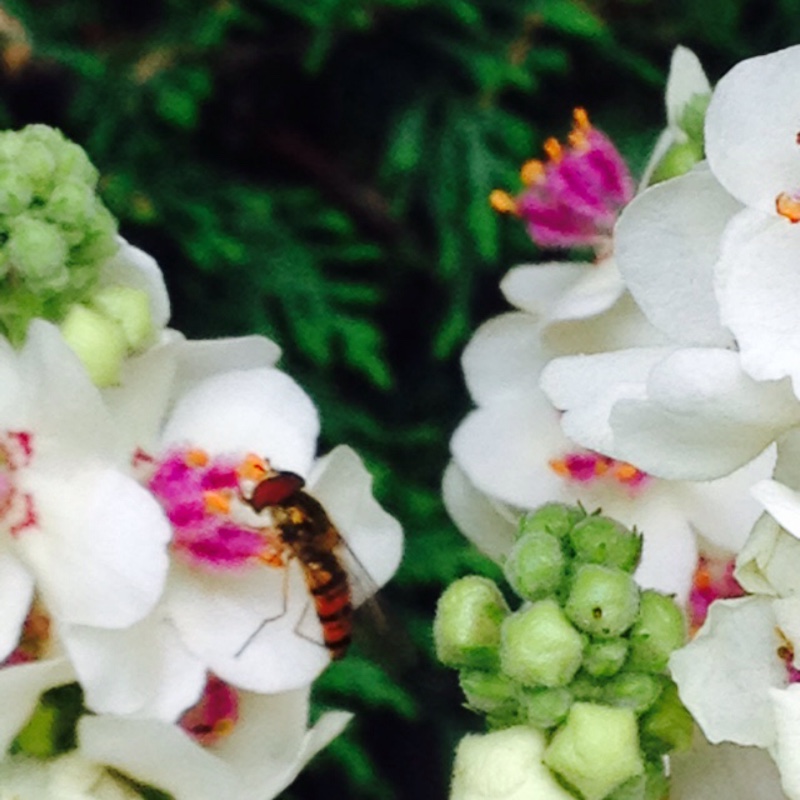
{"x": 252, "y": 468}
{"x": 788, "y": 207}
{"x": 196, "y": 458}
{"x": 600, "y": 467}
{"x": 216, "y": 503}
{"x": 559, "y": 467}
{"x": 626, "y": 472}
{"x": 532, "y": 172}
{"x": 503, "y": 202}
{"x": 553, "y": 149}
{"x": 581, "y": 119}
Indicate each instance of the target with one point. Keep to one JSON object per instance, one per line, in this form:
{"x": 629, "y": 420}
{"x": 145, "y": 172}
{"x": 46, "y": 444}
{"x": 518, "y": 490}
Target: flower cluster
{"x": 661, "y": 382}
{"x": 177, "y": 564}
{"x": 582, "y": 662}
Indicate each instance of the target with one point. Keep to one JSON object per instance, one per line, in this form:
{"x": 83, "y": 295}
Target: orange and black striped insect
{"x": 308, "y": 534}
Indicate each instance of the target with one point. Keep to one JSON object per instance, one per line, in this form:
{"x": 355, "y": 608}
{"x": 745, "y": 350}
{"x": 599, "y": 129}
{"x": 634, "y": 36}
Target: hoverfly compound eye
{"x": 276, "y": 490}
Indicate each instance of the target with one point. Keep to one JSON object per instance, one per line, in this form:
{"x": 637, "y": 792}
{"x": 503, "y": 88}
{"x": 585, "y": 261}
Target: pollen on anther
{"x": 788, "y": 206}
{"x": 196, "y": 458}
{"x": 216, "y": 503}
{"x": 503, "y": 202}
{"x": 532, "y": 172}
{"x": 553, "y": 149}
{"x": 252, "y": 468}
{"x": 581, "y": 119}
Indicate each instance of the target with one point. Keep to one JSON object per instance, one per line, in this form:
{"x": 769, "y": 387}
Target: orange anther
{"x": 559, "y": 466}
{"x": 216, "y": 502}
{"x": 553, "y": 149}
{"x": 600, "y": 467}
{"x": 626, "y": 472}
{"x": 577, "y": 140}
{"x": 787, "y": 206}
{"x": 581, "y": 119}
{"x": 253, "y": 468}
{"x": 224, "y": 726}
{"x": 503, "y": 202}
{"x": 196, "y": 458}
{"x": 532, "y": 172}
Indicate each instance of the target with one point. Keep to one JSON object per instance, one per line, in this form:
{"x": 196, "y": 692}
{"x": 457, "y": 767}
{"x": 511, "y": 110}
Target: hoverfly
{"x": 308, "y": 534}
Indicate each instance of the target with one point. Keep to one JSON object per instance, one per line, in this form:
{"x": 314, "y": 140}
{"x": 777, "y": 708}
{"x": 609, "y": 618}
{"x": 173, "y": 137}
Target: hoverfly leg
{"x": 263, "y": 624}
{"x": 301, "y": 635}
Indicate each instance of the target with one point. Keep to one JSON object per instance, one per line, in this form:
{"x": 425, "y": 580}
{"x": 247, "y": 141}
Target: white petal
{"x": 250, "y": 411}
{"x": 752, "y": 126}
{"x": 787, "y": 467}
{"x": 99, "y": 554}
{"x": 488, "y": 524}
{"x": 781, "y": 502}
{"x": 143, "y": 670}
{"x": 16, "y": 595}
{"x": 786, "y": 705}
{"x": 132, "y": 267}
{"x": 686, "y": 80}
{"x": 666, "y": 243}
{"x": 712, "y": 772}
{"x": 505, "y": 355}
{"x": 703, "y": 417}
{"x": 373, "y": 538}
{"x": 158, "y": 754}
{"x": 725, "y": 673}
{"x": 20, "y": 689}
{"x": 769, "y": 562}
{"x": 505, "y": 448}
{"x": 758, "y": 286}
{"x": 218, "y": 615}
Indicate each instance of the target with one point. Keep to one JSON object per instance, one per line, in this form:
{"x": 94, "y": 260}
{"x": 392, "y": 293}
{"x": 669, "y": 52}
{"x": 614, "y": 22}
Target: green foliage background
{"x": 317, "y": 171}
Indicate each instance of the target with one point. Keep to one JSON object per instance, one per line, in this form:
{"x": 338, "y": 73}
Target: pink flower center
{"x": 573, "y": 199}
{"x": 34, "y": 640}
{"x": 588, "y": 467}
{"x": 713, "y": 580}
{"x": 215, "y": 714}
{"x": 16, "y": 507}
{"x": 213, "y": 528}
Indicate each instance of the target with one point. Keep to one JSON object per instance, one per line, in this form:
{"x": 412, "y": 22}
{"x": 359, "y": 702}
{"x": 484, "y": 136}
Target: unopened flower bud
{"x": 659, "y": 629}
{"x": 596, "y": 750}
{"x": 71, "y": 204}
{"x": 504, "y": 765}
{"x": 546, "y": 708}
{"x": 490, "y": 692}
{"x": 466, "y": 629}
{"x": 605, "y": 657}
{"x": 635, "y": 690}
{"x": 16, "y": 190}
{"x": 667, "y": 726}
{"x": 603, "y": 601}
{"x": 98, "y": 341}
{"x": 540, "y": 647}
{"x": 557, "y": 519}
{"x": 602, "y": 540}
{"x": 37, "y": 161}
{"x": 38, "y": 252}
{"x": 130, "y": 309}
{"x": 678, "y": 160}
{"x": 535, "y": 566}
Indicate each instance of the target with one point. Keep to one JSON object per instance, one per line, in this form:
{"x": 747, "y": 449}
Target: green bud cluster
{"x": 583, "y": 659}
{"x": 55, "y": 232}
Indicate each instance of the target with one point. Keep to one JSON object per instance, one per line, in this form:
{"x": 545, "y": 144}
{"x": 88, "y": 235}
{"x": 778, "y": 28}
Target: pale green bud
{"x": 546, "y": 708}
{"x": 73, "y": 163}
{"x": 38, "y": 162}
{"x": 635, "y": 690}
{"x": 605, "y": 657}
{"x": 489, "y": 692}
{"x": 596, "y": 750}
{"x": 557, "y": 519}
{"x": 678, "y": 160}
{"x": 71, "y": 204}
{"x": 38, "y": 252}
{"x": 535, "y": 566}
{"x": 16, "y": 190}
{"x": 466, "y": 629}
{"x": 540, "y": 647}
{"x": 659, "y": 629}
{"x": 667, "y": 726}
{"x": 98, "y": 341}
{"x": 602, "y": 540}
{"x": 130, "y": 308}
{"x": 603, "y": 601}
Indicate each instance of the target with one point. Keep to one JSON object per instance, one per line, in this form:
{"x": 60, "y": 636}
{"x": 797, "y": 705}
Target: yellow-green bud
{"x": 659, "y": 629}
{"x": 635, "y": 690}
{"x": 540, "y": 647}
{"x": 130, "y": 308}
{"x": 667, "y": 726}
{"x": 39, "y": 253}
{"x": 466, "y": 629}
{"x": 605, "y": 657}
{"x": 596, "y": 750}
{"x": 535, "y": 565}
{"x": 98, "y": 341}
{"x": 678, "y": 160}
{"x": 546, "y": 708}
{"x": 490, "y": 692}
{"x": 557, "y": 519}
{"x": 603, "y": 601}
{"x": 38, "y": 162}
{"x": 602, "y": 540}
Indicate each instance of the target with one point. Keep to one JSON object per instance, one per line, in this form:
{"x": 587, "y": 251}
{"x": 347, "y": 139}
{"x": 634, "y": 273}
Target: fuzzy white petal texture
{"x": 702, "y": 417}
{"x": 132, "y": 267}
{"x": 504, "y": 765}
{"x": 586, "y": 388}
{"x": 20, "y": 689}
{"x": 373, "y": 538}
{"x": 257, "y": 630}
{"x": 686, "y": 80}
{"x": 143, "y": 670}
{"x": 758, "y": 286}
{"x": 16, "y": 595}
{"x": 666, "y": 243}
{"x": 505, "y": 355}
{"x": 786, "y": 707}
{"x": 99, "y": 550}
{"x": 248, "y": 411}
{"x": 769, "y": 562}
{"x": 504, "y": 449}
{"x": 781, "y": 502}
{"x": 729, "y": 771}
{"x": 725, "y": 673}
{"x": 751, "y": 129}
{"x": 488, "y": 524}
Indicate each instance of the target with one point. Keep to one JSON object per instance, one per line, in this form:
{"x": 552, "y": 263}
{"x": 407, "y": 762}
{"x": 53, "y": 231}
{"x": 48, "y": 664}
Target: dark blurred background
{"x": 317, "y": 171}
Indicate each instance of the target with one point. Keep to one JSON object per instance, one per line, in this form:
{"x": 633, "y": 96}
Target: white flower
{"x": 74, "y": 524}
{"x": 236, "y": 601}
